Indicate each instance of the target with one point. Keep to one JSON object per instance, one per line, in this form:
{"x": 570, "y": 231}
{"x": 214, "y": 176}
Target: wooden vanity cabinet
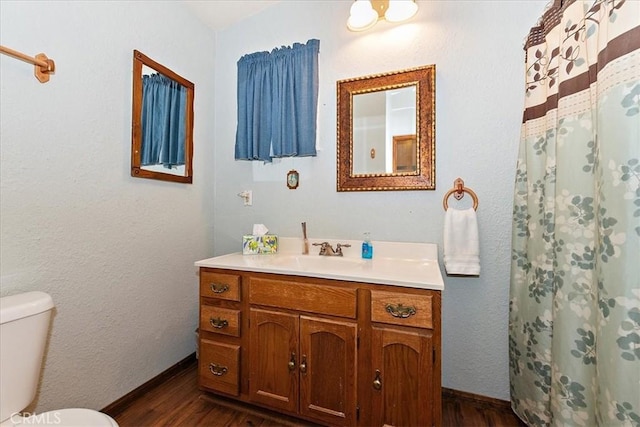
{"x": 328, "y": 351}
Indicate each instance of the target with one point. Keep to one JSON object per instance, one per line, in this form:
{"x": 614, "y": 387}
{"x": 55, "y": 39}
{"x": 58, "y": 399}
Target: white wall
{"x": 477, "y": 49}
{"x": 115, "y": 252}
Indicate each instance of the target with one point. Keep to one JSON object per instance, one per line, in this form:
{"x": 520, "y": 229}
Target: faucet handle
{"x": 339, "y": 247}
{"x": 323, "y": 247}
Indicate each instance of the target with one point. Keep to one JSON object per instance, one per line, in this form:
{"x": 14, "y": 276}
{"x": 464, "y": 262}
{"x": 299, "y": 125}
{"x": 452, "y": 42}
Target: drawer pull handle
{"x": 217, "y": 370}
{"x": 292, "y": 362}
{"x": 218, "y": 323}
{"x": 219, "y": 288}
{"x": 377, "y": 381}
{"x": 400, "y": 311}
{"x": 303, "y": 364}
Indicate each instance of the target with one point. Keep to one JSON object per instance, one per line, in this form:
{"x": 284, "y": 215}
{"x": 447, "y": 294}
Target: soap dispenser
{"x": 367, "y": 247}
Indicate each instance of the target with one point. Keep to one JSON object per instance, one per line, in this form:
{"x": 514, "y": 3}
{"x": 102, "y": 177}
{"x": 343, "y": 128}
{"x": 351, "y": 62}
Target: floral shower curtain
{"x": 574, "y": 326}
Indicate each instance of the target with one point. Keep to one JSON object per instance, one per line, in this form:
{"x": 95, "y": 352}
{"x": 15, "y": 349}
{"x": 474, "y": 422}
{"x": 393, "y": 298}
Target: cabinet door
{"x": 273, "y": 377}
{"x": 328, "y": 370}
{"x": 402, "y": 378}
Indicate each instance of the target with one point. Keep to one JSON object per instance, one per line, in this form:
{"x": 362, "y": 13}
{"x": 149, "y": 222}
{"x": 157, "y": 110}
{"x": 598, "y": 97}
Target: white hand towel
{"x": 461, "y": 243}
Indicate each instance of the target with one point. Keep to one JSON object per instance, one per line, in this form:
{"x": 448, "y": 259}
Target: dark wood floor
{"x": 179, "y": 402}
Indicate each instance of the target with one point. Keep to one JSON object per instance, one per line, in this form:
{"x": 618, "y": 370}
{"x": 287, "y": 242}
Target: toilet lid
{"x": 72, "y": 417}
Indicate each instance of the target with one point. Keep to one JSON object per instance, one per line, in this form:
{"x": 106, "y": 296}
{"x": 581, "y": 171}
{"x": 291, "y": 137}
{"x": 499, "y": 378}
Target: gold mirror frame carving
{"x": 424, "y": 177}
{"x": 140, "y": 60}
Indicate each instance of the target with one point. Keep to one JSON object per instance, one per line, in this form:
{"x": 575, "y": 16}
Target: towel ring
{"x": 458, "y": 191}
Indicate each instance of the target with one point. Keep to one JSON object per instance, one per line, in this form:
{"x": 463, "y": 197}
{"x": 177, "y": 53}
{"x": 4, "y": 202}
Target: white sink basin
{"x": 394, "y": 263}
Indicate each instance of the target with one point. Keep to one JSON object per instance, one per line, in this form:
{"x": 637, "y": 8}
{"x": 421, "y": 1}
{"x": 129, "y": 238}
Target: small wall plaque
{"x": 293, "y": 179}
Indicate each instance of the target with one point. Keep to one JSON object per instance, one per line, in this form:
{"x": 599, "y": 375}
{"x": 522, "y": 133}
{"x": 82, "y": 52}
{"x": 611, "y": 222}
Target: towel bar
{"x": 43, "y": 65}
{"x": 458, "y": 191}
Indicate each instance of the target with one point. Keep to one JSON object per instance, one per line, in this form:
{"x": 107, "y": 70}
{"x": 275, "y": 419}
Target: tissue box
{"x": 255, "y": 245}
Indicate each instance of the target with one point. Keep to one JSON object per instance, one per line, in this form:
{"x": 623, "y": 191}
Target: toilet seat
{"x": 71, "y": 417}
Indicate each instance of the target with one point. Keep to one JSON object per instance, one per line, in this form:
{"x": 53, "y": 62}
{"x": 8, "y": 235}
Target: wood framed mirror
{"x": 393, "y": 116}
{"x": 161, "y": 122}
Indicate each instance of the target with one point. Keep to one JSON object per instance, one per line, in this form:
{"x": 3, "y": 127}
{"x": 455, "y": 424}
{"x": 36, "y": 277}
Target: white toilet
{"x": 24, "y": 324}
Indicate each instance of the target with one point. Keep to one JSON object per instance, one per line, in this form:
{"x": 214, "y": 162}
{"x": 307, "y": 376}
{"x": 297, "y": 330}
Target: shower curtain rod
{"x": 43, "y": 66}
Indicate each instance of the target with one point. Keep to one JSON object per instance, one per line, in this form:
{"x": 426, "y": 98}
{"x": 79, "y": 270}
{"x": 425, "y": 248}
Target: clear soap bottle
{"x": 367, "y": 247}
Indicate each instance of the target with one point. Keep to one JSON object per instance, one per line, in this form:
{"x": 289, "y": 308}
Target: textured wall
{"x": 477, "y": 49}
{"x": 116, "y": 253}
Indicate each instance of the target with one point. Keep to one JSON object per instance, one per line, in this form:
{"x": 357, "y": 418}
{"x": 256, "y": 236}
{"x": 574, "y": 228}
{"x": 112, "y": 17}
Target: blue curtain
{"x": 278, "y": 103}
{"x": 163, "y": 121}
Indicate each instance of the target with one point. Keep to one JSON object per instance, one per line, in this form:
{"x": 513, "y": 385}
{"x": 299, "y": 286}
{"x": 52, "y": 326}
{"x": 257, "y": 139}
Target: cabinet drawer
{"x": 219, "y": 285}
{"x": 219, "y": 367}
{"x": 401, "y": 309}
{"x": 330, "y": 300}
{"x": 220, "y": 320}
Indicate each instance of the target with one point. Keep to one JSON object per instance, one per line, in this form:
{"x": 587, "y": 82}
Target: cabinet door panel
{"x": 403, "y": 395}
{"x": 272, "y": 380}
{"x": 328, "y": 370}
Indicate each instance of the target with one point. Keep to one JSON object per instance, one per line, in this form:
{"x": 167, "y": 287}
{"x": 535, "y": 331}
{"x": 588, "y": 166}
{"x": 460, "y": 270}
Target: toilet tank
{"x": 24, "y": 325}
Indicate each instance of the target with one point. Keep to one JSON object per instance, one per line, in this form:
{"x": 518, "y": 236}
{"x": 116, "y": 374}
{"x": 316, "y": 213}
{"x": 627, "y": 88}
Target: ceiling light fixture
{"x": 365, "y": 13}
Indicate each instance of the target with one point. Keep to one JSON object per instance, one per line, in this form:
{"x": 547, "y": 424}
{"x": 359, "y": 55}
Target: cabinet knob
{"x": 218, "y": 370}
{"x": 218, "y": 288}
{"x": 400, "y": 311}
{"x": 292, "y": 362}
{"x": 377, "y": 381}
{"x": 303, "y": 364}
{"x": 218, "y": 323}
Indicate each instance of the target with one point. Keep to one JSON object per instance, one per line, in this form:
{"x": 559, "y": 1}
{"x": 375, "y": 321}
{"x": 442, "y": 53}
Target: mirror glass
{"x": 162, "y": 122}
{"x": 385, "y": 122}
{"x": 386, "y": 127}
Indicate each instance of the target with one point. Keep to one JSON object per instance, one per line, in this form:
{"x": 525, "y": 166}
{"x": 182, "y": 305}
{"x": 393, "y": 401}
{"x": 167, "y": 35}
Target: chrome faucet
{"x": 327, "y": 250}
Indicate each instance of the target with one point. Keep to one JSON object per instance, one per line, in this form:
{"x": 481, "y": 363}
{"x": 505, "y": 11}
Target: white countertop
{"x": 413, "y": 265}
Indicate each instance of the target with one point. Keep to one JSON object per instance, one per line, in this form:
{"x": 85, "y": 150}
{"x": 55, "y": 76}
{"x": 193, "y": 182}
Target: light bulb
{"x": 362, "y": 16}
{"x": 400, "y": 10}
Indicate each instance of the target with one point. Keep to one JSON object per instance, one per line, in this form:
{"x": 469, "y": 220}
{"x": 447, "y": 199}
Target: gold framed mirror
{"x": 161, "y": 122}
{"x": 393, "y": 116}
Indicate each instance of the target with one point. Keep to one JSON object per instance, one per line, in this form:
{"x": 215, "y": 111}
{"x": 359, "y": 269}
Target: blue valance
{"x": 278, "y": 103}
{"x": 163, "y": 121}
